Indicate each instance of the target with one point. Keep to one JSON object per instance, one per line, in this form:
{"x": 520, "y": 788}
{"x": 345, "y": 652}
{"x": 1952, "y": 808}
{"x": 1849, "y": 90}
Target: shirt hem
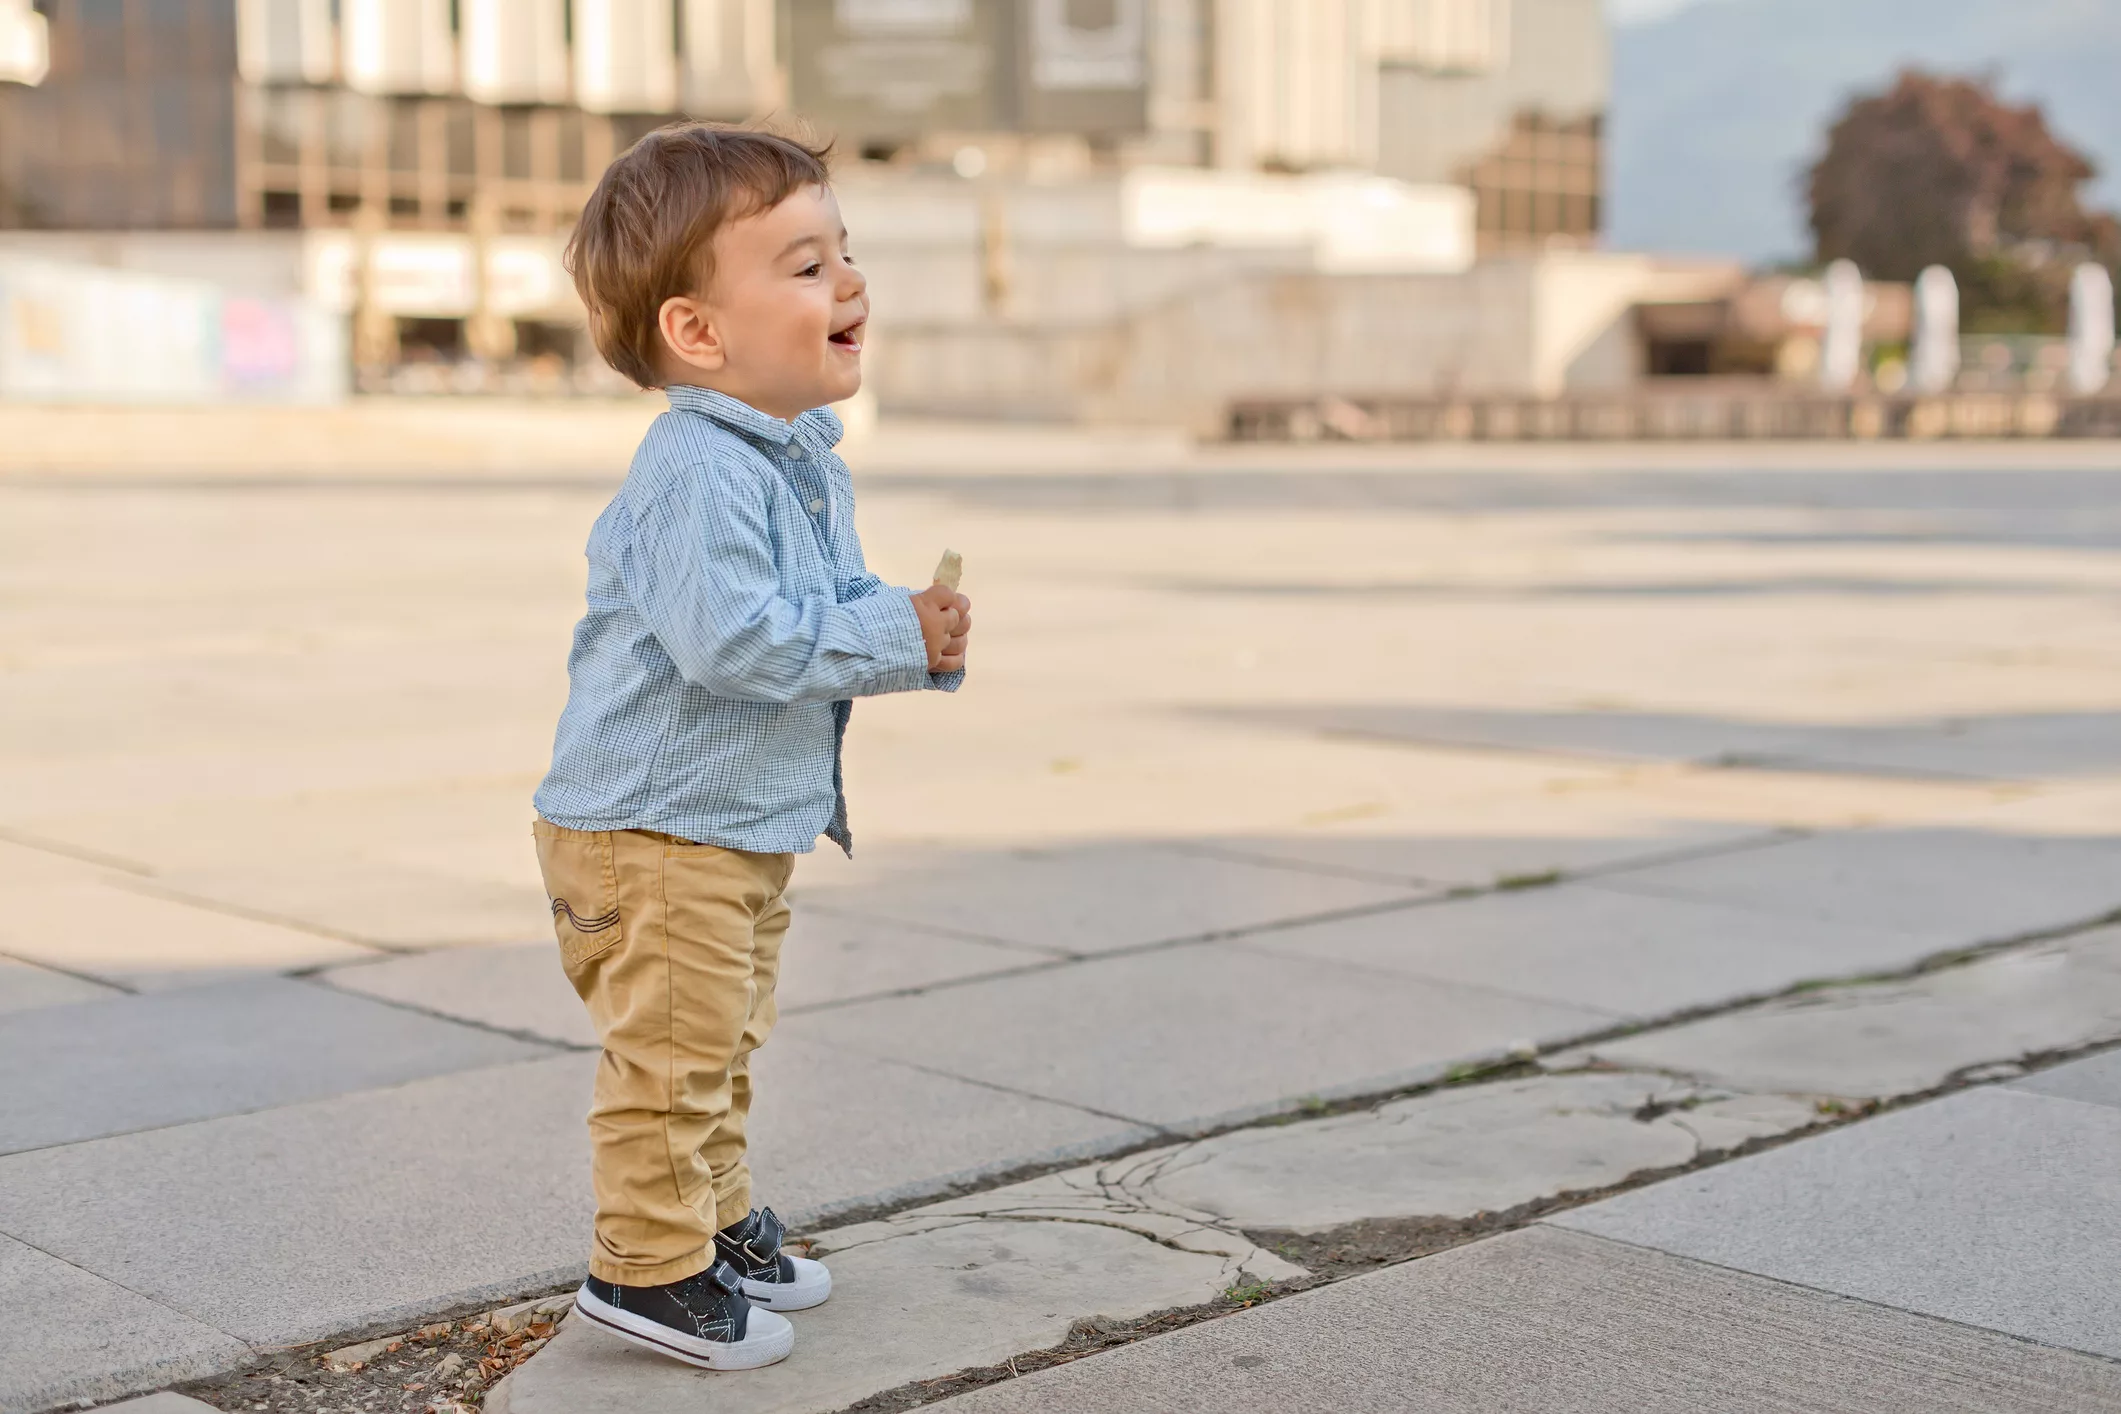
{"x": 684, "y": 830}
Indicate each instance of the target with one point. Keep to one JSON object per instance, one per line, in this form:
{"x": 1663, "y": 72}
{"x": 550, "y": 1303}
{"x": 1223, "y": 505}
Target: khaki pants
{"x": 675, "y": 947}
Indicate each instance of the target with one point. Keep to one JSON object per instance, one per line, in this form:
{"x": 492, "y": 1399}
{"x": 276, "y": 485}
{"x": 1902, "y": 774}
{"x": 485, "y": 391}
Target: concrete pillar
{"x": 1841, "y": 360}
{"x": 625, "y": 56}
{"x": 397, "y": 46}
{"x": 2091, "y": 329}
{"x": 515, "y": 51}
{"x": 1933, "y": 364}
{"x": 730, "y": 60}
{"x": 284, "y": 41}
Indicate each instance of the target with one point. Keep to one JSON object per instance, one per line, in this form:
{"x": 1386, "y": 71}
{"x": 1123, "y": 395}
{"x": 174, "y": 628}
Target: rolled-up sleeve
{"x": 698, "y": 565}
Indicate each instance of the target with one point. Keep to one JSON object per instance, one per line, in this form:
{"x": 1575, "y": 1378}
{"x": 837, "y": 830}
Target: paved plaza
{"x": 1670, "y": 895}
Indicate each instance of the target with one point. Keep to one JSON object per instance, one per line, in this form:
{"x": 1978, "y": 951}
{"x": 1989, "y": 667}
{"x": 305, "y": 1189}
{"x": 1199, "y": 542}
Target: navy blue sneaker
{"x": 772, "y": 1278}
{"x": 703, "y": 1320}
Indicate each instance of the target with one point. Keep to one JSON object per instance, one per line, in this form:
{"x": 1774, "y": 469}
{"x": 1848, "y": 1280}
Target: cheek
{"x": 817, "y": 317}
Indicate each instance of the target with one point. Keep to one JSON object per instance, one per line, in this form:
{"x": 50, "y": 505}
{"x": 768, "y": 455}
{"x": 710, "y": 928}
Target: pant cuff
{"x": 603, "y": 1269}
{"x": 734, "y": 1206}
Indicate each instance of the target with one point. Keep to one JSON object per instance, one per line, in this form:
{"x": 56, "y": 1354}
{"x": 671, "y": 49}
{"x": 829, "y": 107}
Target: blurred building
{"x": 1505, "y": 98}
{"x": 423, "y": 158}
{"x": 427, "y": 114}
{"x": 1043, "y": 170}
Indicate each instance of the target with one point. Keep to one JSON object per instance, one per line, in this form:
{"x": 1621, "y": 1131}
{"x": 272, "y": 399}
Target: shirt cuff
{"x": 946, "y": 682}
{"x": 892, "y": 629}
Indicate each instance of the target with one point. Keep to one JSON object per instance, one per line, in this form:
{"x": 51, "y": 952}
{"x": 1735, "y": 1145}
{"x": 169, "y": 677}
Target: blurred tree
{"x": 1939, "y": 171}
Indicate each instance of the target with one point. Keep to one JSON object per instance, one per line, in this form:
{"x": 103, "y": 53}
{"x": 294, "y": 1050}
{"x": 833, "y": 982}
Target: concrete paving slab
{"x": 1549, "y": 1322}
{"x": 1094, "y": 1194}
{"x": 1451, "y": 1153}
{"x": 833, "y": 1130}
{"x": 1091, "y": 899}
{"x": 69, "y": 915}
{"x": 1993, "y": 1207}
{"x": 830, "y": 958}
{"x": 140, "y": 1062}
{"x": 2005, "y": 746}
{"x": 313, "y": 1219}
{"x": 1632, "y": 955}
{"x": 1480, "y": 862}
{"x": 1899, "y": 1038}
{"x": 1625, "y": 735}
{"x": 306, "y": 1221}
{"x": 2094, "y": 1081}
{"x": 2073, "y": 807}
{"x": 1193, "y": 1036}
{"x": 71, "y": 1335}
{"x": 1793, "y": 800}
{"x": 904, "y": 1307}
{"x": 387, "y": 902}
{"x": 24, "y": 987}
{"x": 1956, "y": 888}
{"x": 166, "y": 1402}
{"x": 827, "y": 959}
{"x": 514, "y": 987}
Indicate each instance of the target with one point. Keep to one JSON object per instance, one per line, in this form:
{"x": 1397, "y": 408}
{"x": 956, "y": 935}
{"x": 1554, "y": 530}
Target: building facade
{"x": 1504, "y": 97}
{"x": 420, "y": 161}
{"x": 189, "y": 114}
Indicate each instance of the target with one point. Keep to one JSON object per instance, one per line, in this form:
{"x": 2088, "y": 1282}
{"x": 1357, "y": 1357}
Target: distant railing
{"x": 1659, "y": 417}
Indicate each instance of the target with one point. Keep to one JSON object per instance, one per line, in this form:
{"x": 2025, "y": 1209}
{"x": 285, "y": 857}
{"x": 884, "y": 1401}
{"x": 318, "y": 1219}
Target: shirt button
{"x": 817, "y": 507}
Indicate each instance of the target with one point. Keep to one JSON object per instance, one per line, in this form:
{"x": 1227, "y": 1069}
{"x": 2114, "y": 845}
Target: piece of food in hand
{"x": 950, "y": 571}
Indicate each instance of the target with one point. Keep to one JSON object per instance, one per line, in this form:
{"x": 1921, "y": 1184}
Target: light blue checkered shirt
{"x": 730, "y": 620}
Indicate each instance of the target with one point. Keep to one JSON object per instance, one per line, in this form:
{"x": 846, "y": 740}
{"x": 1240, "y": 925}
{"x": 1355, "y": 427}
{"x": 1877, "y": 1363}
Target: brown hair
{"x": 647, "y": 231}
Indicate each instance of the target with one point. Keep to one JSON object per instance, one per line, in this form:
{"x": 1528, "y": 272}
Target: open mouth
{"x": 850, "y": 338}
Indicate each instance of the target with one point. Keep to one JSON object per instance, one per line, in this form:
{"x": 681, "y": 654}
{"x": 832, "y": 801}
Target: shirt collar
{"x": 822, "y": 424}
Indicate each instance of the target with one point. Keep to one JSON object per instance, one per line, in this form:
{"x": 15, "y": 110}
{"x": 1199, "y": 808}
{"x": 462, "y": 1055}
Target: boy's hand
{"x": 946, "y": 622}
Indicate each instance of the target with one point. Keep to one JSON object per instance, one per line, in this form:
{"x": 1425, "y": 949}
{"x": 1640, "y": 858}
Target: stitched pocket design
{"x": 597, "y": 924}
{"x": 583, "y": 887}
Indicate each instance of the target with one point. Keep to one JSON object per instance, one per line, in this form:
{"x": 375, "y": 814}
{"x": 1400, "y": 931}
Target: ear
{"x": 690, "y": 334}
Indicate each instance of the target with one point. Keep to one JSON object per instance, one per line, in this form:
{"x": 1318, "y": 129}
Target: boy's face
{"x": 781, "y": 325}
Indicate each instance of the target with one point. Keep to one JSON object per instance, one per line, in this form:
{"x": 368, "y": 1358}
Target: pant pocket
{"x": 582, "y": 883}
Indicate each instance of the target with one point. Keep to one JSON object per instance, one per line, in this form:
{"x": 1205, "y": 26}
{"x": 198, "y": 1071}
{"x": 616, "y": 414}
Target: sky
{"x": 1721, "y": 106}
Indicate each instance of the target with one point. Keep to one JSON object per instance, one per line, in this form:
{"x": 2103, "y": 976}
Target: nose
{"x": 853, "y": 284}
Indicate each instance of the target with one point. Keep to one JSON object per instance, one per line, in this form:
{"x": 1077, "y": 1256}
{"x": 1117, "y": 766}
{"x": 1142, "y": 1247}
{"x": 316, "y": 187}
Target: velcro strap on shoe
{"x": 726, "y": 1278}
{"x": 765, "y": 1244}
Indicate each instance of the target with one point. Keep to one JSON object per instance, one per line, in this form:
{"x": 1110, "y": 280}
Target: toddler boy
{"x": 730, "y": 620}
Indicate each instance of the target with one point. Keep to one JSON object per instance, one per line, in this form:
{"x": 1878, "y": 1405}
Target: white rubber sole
{"x": 812, "y": 1284}
{"x": 767, "y": 1337}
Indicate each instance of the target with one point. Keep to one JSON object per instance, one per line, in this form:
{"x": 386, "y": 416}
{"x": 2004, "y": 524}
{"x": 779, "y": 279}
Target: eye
{"x": 812, "y": 268}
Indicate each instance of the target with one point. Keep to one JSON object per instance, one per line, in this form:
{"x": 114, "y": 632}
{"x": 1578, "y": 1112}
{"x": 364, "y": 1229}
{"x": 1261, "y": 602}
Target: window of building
{"x": 405, "y": 135}
{"x": 282, "y": 117}
{"x": 1540, "y": 186}
{"x": 280, "y": 209}
{"x": 463, "y": 140}
{"x": 515, "y": 144}
{"x": 349, "y": 120}
{"x": 571, "y": 140}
